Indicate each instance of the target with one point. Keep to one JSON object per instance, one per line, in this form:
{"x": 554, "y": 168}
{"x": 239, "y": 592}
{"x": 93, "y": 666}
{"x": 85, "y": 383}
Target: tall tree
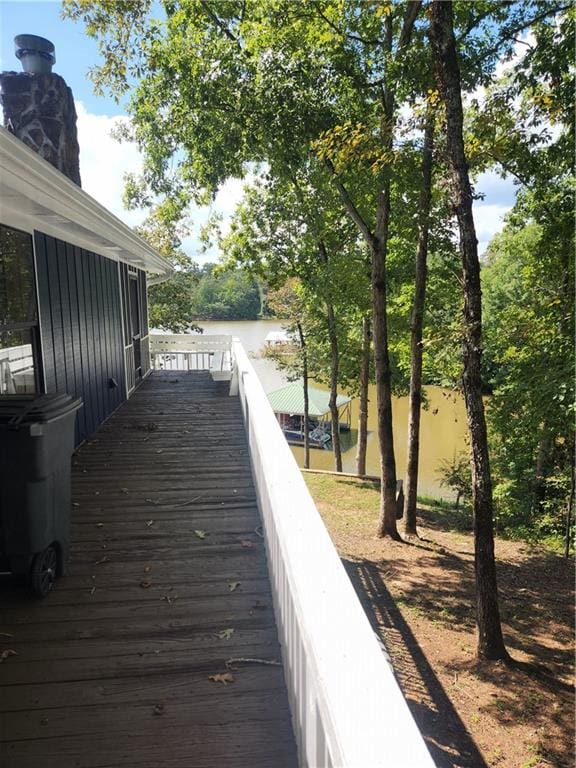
{"x": 397, "y": 32}
{"x": 417, "y": 322}
{"x": 490, "y": 639}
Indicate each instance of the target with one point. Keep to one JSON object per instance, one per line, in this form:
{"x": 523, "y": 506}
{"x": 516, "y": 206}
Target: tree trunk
{"x": 378, "y": 242}
{"x": 306, "y": 404}
{"x": 490, "y": 641}
{"x": 415, "y": 402}
{"x": 387, "y": 518}
{"x": 334, "y": 373}
{"x": 364, "y": 384}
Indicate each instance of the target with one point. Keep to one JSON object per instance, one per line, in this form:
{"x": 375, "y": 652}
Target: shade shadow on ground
{"x": 447, "y": 738}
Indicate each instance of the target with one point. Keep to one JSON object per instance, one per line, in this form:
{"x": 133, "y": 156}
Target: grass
{"x": 350, "y": 501}
{"x": 343, "y": 496}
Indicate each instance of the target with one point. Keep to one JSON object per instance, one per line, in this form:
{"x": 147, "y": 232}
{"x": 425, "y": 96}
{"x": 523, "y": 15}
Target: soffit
{"x": 34, "y": 195}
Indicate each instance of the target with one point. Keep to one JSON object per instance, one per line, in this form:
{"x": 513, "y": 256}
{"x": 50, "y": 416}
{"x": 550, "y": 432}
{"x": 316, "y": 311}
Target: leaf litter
{"x": 222, "y": 677}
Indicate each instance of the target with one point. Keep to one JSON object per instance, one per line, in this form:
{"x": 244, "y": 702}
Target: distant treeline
{"x": 225, "y": 295}
{"x": 204, "y": 293}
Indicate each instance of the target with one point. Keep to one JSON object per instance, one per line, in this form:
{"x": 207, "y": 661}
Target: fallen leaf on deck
{"x": 225, "y": 678}
{"x": 233, "y": 585}
{"x": 149, "y": 523}
{"x": 99, "y": 525}
{"x": 102, "y": 560}
{"x": 6, "y": 634}
{"x": 151, "y": 501}
{"x": 159, "y": 709}
{"x": 147, "y": 568}
{"x": 145, "y": 584}
{"x": 7, "y": 653}
{"x": 93, "y": 590}
{"x": 170, "y": 599}
{"x": 201, "y": 534}
{"x": 225, "y": 634}
{"x": 75, "y": 503}
{"x": 247, "y": 544}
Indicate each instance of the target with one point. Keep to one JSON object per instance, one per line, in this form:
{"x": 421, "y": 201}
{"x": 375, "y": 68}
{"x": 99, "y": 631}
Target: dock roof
{"x": 290, "y": 399}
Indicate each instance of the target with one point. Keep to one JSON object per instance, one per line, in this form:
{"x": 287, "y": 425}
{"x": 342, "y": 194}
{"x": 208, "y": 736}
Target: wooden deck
{"x": 167, "y": 581}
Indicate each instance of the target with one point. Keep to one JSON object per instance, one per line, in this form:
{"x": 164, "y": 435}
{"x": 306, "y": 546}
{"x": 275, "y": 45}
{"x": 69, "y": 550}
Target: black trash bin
{"x": 36, "y": 445}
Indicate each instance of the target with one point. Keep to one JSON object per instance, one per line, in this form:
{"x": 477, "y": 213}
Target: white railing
{"x": 16, "y": 369}
{"x": 192, "y": 352}
{"x": 347, "y": 708}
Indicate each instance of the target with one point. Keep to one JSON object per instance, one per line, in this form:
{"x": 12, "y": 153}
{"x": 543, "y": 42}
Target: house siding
{"x": 80, "y": 328}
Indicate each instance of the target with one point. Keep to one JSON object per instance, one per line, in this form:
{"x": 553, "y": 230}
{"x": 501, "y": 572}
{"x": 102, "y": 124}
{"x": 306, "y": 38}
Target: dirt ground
{"x": 420, "y": 599}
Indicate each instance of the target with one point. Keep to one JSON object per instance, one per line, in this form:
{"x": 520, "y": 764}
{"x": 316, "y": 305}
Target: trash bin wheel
{"x": 44, "y": 570}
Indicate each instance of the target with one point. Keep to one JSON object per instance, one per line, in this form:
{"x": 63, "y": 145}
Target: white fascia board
{"x": 35, "y": 195}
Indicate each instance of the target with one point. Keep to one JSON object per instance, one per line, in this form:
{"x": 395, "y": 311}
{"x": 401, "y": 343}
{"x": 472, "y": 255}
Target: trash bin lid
{"x": 17, "y": 410}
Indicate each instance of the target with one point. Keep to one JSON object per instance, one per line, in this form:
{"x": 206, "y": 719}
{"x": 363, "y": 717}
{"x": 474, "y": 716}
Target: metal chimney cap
{"x": 35, "y": 53}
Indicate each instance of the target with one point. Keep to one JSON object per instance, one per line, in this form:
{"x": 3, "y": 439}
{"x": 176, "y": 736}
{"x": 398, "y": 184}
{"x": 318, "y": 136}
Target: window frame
{"x": 32, "y": 326}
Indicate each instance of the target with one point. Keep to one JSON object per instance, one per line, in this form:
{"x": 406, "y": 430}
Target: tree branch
{"x": 510, "y": 34}
{"x": 347, "y": 35}
{"x": 412, "y": 11}
{"x": 354, "y": 213}
{"x": 219, "y": 23}
{"x": 475, "y": 22}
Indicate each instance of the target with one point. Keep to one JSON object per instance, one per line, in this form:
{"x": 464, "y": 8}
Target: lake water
{"x": 443, "y": 423}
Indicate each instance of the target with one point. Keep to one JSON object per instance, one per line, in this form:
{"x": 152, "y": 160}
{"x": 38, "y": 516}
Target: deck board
{"x": 113, "y": 668}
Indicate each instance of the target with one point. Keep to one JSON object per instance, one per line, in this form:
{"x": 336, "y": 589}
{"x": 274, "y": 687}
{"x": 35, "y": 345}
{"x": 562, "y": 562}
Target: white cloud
{"x": 104, "y": 161}
{"x": 489, "y": 220}
{"x": 230, "y": 194}
{"x": 521, "y": 47}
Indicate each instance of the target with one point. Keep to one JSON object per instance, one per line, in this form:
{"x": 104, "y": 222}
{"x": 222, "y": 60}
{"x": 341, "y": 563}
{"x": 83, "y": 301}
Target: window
{"x": 18, "y": 314}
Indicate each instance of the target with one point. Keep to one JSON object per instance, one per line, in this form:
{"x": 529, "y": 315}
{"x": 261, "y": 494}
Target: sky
{"x": 76, "y": 53}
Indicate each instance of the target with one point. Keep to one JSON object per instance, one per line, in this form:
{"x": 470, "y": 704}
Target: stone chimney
{"x": 39, "y": 107}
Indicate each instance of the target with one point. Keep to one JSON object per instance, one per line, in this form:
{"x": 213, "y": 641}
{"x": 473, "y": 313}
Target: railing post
{"x": 234, "y": 386}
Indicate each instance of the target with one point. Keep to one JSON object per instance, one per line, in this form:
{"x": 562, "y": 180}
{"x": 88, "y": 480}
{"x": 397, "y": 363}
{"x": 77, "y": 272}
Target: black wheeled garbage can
{"x": 36, "y": 445}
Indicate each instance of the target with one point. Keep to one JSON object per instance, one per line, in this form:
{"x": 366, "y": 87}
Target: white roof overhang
{"x": 36, "y": 196}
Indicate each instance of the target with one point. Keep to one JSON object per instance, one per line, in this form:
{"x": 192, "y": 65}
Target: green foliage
{"x": 225, "y": 296}
{"x": 169, "y": 303}
{"x": 529, "y": 332}
{"x": 456, "y": 476}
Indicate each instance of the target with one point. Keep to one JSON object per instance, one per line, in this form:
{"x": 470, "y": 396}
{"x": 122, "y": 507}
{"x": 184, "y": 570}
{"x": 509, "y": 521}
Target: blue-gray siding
{"x": 81, "y": 328}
